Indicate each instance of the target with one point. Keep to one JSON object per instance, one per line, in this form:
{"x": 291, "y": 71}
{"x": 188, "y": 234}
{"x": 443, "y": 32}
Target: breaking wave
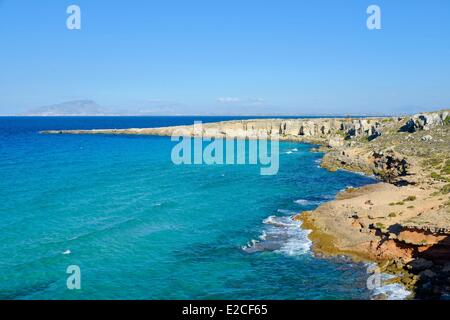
{"x": 287, "y": 212}
{"x": 281, "y": 235}
{"x": 291, "y": 151}
{"x": 305, "y": 202}
{"x": 392, "y": 291}
{"x": 386, "y": 290}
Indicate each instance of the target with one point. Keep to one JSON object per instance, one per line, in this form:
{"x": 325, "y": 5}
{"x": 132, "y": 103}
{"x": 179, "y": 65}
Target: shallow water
{"x": 140, "y": 227}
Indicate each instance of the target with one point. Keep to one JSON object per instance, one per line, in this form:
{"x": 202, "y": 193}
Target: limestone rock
{"x": 424, "y": 121}
{"x": 427, "y": 138}
{"x": 336, "y": 142}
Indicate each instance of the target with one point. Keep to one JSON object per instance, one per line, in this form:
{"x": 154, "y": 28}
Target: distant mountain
{"x": 70, "y": 108}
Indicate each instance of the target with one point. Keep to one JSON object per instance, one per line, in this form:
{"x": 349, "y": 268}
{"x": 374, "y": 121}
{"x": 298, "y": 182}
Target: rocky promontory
{"x": 319, "y": 130}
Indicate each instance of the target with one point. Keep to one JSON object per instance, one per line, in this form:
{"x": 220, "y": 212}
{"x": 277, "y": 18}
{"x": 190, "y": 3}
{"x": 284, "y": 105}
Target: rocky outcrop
{"x": 426, "y": 266}
{"x": 374, "y": 223}
{"x": 403, "y": 224}
{"x": 320, "y": 129}
{"x": 389, "y": 165}
{"x": 424, "y": 121}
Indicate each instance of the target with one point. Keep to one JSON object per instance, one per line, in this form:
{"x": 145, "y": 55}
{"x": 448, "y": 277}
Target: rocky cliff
{"x": 404, "y": 222}
{"x": 317, "y": 129}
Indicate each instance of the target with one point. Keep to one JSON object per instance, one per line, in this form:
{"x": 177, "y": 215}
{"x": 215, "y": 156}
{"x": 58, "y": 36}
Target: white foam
{"x": 281, "y": 235}
{"x": 318, "y": 162}
{"x": 304, "y": 202}
{"x": 280, "y": 222}
{"x": 291, "y": 151}
{"x": 393, "y": 291}
{"x": 67, "y": 252}
{"x": 298, "y": 242}
{"x": 263, "y": 236}
{"x": 296, "y": 246}
{"x": 287, "y": 212}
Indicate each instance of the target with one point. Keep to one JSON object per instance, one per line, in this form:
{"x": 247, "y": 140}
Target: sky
{"x": 227, "y": 57}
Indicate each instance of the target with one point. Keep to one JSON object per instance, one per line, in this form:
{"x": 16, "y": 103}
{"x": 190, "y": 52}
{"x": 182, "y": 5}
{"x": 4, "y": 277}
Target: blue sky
{"x": 227, "y": 56}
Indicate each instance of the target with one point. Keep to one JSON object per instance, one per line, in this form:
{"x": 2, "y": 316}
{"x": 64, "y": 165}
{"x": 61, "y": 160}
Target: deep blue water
{"x": 140, "y": 227}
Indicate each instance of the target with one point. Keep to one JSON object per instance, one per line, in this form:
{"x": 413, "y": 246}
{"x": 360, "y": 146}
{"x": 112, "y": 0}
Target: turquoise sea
{"x": 140, "y": 227}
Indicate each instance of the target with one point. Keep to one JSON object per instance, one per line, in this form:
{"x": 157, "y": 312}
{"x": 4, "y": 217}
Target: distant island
{"x": 90, "y": 108}
{"x": 70, "y": 108}
{"x": 402, "y": 222}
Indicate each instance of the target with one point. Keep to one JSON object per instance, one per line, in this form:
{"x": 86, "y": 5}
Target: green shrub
{"x": 433, "y": 162}
{"x": 447, "y": 121}
{"x": 410, "y": 198}
{"x": 446, "y": 168}
{"x": 446, "y": 189}
{"x": 436, "y": 176}
{"x": 392, "y": 215}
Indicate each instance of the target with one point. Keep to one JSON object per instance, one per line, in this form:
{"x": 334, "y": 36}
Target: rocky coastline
{"x": 402, "y": 223}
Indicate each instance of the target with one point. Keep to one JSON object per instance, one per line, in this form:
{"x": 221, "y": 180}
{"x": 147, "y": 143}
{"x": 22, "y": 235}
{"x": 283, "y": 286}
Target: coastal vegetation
{"x": 447, "y": 121}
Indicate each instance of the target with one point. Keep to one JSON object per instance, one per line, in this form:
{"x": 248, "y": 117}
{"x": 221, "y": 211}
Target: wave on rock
{"x": 281, "y": 235}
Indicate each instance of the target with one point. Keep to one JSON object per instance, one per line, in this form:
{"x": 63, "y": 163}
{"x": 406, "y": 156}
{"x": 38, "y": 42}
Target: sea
{"x": 134, "y": 225}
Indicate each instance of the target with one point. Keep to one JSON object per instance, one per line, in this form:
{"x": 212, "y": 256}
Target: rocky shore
{"x": 402, "y": 222}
